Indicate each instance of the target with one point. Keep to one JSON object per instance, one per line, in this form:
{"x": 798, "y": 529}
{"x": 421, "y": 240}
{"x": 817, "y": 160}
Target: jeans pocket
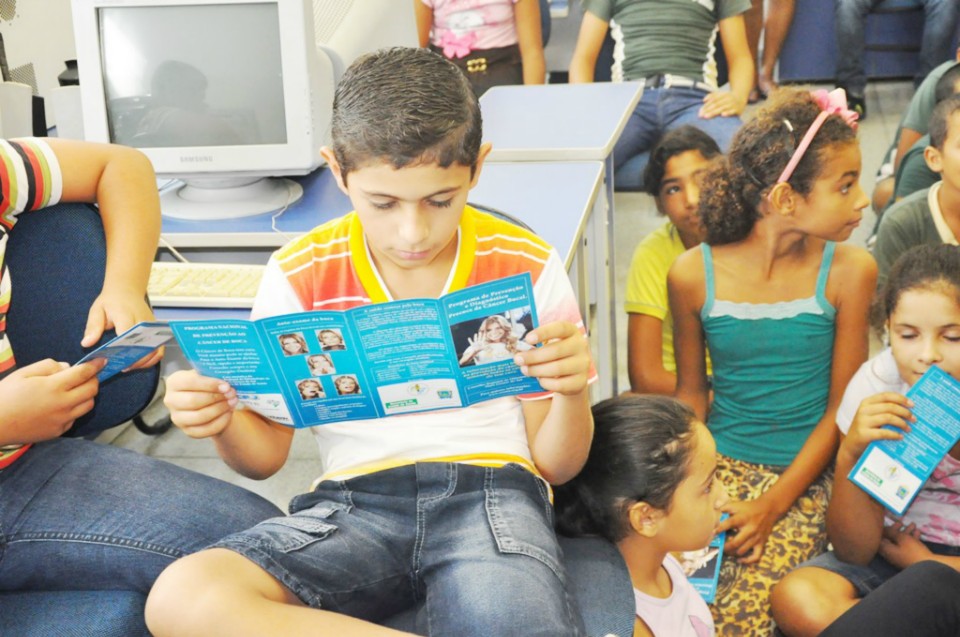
{"x": 303, "y": 528}
{"x": 520, "y": 518}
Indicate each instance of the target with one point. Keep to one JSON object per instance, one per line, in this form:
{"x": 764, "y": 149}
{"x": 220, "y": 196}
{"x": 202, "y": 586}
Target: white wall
{"x": 41, "y": 32}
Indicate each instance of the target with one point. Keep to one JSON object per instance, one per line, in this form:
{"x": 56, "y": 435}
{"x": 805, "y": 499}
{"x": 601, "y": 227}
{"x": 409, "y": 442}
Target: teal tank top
{"x": 771, "y": 369}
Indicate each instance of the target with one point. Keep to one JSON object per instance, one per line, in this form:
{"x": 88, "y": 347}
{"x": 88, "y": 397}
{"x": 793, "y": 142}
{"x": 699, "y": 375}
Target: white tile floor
{"x": 635, "y": 217}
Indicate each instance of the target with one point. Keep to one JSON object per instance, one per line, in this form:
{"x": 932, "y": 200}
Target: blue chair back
{"x": 57, "y": 259}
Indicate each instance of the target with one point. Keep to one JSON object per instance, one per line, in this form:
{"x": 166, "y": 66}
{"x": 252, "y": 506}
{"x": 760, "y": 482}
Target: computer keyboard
{"x": 224, "y": 285}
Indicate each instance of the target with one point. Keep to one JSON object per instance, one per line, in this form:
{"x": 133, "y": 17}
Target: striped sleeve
{"x": 30, "y": 178}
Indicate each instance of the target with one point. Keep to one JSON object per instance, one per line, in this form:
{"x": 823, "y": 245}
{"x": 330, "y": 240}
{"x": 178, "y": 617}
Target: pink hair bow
{"x": 457, "y": 46}
{"x": 832, "y": 103}
{"x": 835, "y": 103}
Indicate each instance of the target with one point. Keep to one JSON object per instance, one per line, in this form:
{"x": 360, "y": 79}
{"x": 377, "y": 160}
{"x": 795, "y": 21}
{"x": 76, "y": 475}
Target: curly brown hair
{"x": 734, "y": 186}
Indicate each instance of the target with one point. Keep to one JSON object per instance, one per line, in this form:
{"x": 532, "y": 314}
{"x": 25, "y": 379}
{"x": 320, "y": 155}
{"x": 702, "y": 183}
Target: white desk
{"x": 556, "y": 199}
{"x": 569, "y": 122}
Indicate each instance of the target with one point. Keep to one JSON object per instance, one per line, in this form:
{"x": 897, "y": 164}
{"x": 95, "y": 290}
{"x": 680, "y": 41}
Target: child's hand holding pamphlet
{"x": 893, "y": 471}
{"x": 126, "y": 349}
{"x": 375, "y": 360}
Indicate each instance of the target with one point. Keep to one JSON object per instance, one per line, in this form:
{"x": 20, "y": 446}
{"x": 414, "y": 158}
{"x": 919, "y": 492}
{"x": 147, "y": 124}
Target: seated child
{"x": 649, "y": 486}
{"x": 781, "y": 302}
{"x": 920, "y": 310}
{"x": 672, "y": 178}
{"x": 450, "y": 508}
{"x": 914, "y": 173}
{"x": 76, "y": 515}
{"x": 929, "y": 216}
{"x": 671, "y": 47}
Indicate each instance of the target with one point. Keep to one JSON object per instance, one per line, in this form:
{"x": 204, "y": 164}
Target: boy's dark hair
{"x": 736, "y": 183}
{"x": 641, "y": 451}
{"x": 676, "y": 142}
{"x": 923, "y": 267}
{"x": 940, "y": 120}
{"x": 947, "y": 84}
{"x": 405, "y": 106}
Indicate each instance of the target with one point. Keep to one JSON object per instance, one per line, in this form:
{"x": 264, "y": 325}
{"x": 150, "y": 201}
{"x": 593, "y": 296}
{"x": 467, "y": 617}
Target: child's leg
{"x": 639, "y": 135}
{"x": 347, "y": 548}
{"x": 921, "y": 600}
{"x": 810, "y": 598}
{"x": 219, "y": 592}
{"x": 683, "y": 107}
{"x": 742, "y": 605}
{"x": 84, "y": 516}
{"x": 489, "y": 557}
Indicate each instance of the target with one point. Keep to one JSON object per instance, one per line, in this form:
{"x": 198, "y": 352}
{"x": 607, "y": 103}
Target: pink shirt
{"x": 461, "y": 26}
{"x": 682, "y": 614}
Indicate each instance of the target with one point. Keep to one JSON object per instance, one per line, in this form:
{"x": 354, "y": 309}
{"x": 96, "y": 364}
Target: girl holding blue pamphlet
{"x": 919, "y": 309}
{"x": 649, "y": 486}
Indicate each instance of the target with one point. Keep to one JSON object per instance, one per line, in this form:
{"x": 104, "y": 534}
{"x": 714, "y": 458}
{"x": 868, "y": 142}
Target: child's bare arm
{"x": 645, "y": 356}
{"x": 729, "y": 103}
{"x": 589, "y": 42}
{"x": 530, "y": 40}
{"x": 40, "y": 401}
{"x": 560, "y": 428}
{"x": 686, "y": 291}
{"x": 122, "y": 182}
{"x": 854, "y": 519}
{"x": 205, "y": 407}
{"x": 424, "y": 21}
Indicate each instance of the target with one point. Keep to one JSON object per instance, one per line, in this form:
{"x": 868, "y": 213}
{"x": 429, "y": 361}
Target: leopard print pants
{"x": 742, "y": 605}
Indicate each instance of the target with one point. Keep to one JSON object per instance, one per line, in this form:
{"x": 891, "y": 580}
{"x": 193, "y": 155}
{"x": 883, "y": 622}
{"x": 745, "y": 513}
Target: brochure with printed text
{"x": 372, "y": 361}
{"x": 893, "y": 471}
{"x": 126, "y": 349}
{"x": 702, "y": 567}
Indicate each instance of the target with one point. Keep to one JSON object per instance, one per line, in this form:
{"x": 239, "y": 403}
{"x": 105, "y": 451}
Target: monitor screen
{"x": 226, "y": 95}
{"x": 212, "y": 89}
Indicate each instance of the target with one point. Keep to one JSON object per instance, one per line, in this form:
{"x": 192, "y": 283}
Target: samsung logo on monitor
{"x": 196, "y": 159}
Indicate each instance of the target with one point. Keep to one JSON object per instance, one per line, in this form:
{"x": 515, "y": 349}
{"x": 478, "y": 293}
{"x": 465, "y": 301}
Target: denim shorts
{"x": 866, "y": 579}
{"x": 474, "y": 545}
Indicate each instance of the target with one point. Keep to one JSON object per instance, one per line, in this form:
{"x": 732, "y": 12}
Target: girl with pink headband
{"x": 782, "y": 307}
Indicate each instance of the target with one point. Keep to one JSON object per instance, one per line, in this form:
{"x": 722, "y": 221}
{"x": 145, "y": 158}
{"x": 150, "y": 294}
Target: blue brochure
{"x": 372, "y": 361}
{"x": 126, "y": 349}
{"x": 702, "y": 567}
{"x": 893, "y": 471}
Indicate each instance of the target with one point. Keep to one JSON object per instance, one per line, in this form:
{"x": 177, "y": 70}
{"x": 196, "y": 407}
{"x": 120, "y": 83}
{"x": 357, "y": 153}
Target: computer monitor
{"x": 223, "y": 94}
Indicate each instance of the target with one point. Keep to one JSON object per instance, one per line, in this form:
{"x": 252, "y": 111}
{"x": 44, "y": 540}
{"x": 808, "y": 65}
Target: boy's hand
{"x": 901, "y": 546}
{"x": 562, "y": 365}
{"x": 721, "y": 104}
{"x": 887, "y": 408}
{"x": 121, "y": 312}
{"x": 199, "y": 405}
{"x": 753, "y": 521}
{"x": 41, "y": 401}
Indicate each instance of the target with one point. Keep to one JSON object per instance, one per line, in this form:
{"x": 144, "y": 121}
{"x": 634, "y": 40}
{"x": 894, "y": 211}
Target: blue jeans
{"x": 80, "y": 516}
{"x": 866, "y": 579}
{"x": 475, "y": 545}
{"x": 658, "y": 111}
{"x": 940, "y": 21}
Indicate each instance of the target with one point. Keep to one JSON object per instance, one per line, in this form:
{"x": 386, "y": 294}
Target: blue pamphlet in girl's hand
{"x": 372, "y": 361}
{"x": 126, "y": 349}
{"x": 893, "y": 471}
{"x": 702, "y": 567}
